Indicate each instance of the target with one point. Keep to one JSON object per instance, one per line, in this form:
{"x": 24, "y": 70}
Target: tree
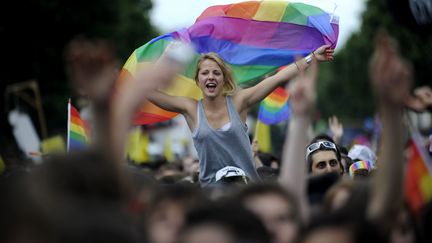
{"x": 35, "y": 32}
{"x": 344, "y": 88}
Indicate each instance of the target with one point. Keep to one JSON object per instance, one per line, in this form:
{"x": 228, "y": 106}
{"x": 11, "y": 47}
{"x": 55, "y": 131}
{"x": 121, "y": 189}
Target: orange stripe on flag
{"x": 244, "y": 10}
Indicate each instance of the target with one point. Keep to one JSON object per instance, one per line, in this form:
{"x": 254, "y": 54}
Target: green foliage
{"x": 344, "y": 88}
{"x": 36, "y": 32}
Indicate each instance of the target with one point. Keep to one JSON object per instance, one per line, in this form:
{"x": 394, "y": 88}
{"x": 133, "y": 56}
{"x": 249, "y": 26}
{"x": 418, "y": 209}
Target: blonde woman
{"x": 217, "y": 121}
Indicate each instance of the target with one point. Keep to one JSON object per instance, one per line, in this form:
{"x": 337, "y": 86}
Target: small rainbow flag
{"x": 418, "y": 177}
{"x": 274, "y": 108}
{"x": 77, "y": 130}
{"x": 253, "y": 37}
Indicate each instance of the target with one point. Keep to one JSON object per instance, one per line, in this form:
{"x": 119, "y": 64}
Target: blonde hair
{"x": 229, "y": 84}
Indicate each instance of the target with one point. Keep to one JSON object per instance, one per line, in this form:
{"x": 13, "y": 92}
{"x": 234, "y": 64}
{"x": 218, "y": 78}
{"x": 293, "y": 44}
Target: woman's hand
{"x": 324, "y": 53}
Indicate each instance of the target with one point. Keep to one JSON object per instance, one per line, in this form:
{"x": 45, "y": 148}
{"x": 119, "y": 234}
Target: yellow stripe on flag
{"x": 184, "y": 86}
{"x": 271, "y": 11}
{"x": 262, "y": 134}
{"x": 131, "y": 64}
{"x": 79, "y": 130}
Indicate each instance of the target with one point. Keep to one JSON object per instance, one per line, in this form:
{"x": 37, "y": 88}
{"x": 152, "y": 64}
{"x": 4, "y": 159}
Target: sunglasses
{"x": 315, "y": 146}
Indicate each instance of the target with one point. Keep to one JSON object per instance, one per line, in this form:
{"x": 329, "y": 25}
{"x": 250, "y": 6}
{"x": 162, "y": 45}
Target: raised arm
{"x": 391, "y": 78}
{"x": 171, "y": 103}
{"x": 134, "y": 93}
{"x": 293, "y": 170}
{"x": 336, "y": 128}
{"x": 250, "y": 96}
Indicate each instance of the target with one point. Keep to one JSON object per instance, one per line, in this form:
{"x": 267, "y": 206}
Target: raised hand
{"x": 391, "y": 75}
{"x": 336, "y": 128}
{"x": 92, "y": 67}
{"x": 324, "y": 53}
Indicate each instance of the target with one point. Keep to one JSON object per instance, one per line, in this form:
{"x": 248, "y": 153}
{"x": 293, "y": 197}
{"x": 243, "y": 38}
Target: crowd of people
{"x": 318, "y": 191}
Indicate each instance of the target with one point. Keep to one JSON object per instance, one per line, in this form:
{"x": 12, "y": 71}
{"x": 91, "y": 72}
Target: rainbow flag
{"x": 77, "y": 130}
{"x": 418, "y": 177}
{"x": 274, "y": 108}
{"x": 253, "y": 37}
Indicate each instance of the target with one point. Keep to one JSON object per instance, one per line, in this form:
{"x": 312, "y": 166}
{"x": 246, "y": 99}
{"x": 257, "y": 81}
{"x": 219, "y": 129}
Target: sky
{"x": 170, "y": 15}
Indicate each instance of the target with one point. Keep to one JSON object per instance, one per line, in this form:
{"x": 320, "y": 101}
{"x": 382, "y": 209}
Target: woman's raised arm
{"x": 250, "y": 96}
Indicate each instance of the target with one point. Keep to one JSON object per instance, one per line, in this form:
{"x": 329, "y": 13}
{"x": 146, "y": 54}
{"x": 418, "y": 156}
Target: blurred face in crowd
{"x": 402, "y": 231}
{"x": 207, "y": 233}
{"x": 325, "y": 161}
{"x": 329, "y": 235}
{"x": 276, "y": 214}
{"x": 165, "y": 222}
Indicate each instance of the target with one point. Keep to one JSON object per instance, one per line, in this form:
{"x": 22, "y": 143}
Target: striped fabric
{"x": 254, "y": 38}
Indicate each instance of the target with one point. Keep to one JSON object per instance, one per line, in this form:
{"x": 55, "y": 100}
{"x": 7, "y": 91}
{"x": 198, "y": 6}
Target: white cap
{"x": 229, "y": 171}
{"x": 362, "y": 152}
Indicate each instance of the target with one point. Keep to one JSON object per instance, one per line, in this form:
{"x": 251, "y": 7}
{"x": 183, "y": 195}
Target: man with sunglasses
{"x": 323, "y": 156}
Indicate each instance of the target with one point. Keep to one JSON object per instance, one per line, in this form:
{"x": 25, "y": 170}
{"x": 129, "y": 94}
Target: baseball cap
{"x": 229, "y": 171}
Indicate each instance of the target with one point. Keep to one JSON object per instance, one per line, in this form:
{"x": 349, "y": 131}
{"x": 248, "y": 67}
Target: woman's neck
{"x": 214, "y": 103}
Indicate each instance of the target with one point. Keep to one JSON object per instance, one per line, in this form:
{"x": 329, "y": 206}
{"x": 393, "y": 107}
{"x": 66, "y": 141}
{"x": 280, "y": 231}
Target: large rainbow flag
{"x": 274, "y": 108}
{"x": 418, "y": 177}
{"x": 253, "y": 37}
{"x": 77, "y": 130}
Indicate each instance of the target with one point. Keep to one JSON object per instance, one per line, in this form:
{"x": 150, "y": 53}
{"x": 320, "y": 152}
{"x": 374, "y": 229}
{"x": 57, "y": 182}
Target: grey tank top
{"x": 218, "y": 149}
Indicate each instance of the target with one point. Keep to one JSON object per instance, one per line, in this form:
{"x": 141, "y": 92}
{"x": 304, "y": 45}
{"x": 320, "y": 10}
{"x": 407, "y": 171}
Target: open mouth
{"x": 211, "y": 87}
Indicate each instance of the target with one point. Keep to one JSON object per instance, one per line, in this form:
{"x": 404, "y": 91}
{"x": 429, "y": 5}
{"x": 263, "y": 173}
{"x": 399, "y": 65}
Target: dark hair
{"x": 269, "y": 188}
{"x": 186, "y": 194}
{"x": 267, "y": 174}
{"x": 342, "y": 149}
{"x": 267, "y": 158}
{"x": 78, "y": 197}
{"x": 359, "y": 230}
{"x": 232, "y": 216}
{"x": 324, "y": 137}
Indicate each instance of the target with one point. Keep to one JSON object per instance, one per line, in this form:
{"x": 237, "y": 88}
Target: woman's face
{"x": 210, "y": 78}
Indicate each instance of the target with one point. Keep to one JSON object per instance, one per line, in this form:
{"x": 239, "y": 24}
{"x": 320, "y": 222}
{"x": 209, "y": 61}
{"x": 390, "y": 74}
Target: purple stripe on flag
{"x": 277, "y": 35}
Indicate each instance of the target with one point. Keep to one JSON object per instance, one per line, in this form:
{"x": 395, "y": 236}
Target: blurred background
{"x": 34, "y": 80}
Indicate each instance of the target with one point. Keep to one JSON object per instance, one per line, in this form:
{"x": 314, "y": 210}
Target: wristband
{"x": 308, "y": 58}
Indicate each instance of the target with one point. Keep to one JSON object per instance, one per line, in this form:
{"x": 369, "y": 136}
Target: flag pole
{"x": 68, "y": 125}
